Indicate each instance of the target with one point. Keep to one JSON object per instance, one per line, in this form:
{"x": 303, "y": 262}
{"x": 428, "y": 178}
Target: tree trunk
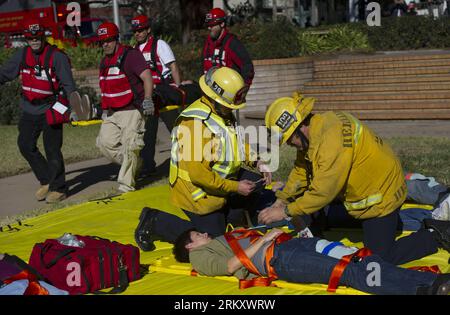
{"x": 274, "y": 10}
{"x": 193, "y": 16}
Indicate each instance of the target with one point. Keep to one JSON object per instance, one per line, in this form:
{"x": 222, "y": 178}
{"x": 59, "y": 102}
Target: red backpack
{"x": 100, "y": 264}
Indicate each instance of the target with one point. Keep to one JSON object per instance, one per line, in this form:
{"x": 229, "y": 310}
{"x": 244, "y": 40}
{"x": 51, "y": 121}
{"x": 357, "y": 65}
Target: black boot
{"x": 440, "y": 286}
{"x": 144, "y": 232}
{"x": 441, "y": 231}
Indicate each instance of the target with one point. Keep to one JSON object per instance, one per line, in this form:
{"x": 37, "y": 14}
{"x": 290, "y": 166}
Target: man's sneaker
{"x": 144, "y": 232}
{"x": 148, "y": 172}
{"x": 440, "y": 286}
{"x": 77, "y": 106}
{"x": 443, "y": 212}
{"x": 42, "y": 192}
{"x": 125, "y": 189}
{"x": 441, "y": 231}
{"x": 55, "y": 196}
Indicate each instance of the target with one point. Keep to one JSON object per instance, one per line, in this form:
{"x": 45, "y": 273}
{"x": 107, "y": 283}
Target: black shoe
{"x": 441, "y": 231}
{"x": 148, "y": 172}
{"x": 440, "y": 286}
{"x": 144, "y": 232}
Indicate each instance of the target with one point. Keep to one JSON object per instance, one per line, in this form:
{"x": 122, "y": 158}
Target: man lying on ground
{"x": 301, "y": 260}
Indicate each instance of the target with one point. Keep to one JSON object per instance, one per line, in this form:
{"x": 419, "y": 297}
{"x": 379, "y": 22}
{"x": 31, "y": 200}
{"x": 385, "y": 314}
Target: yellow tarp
{"x": 116, "y": 219}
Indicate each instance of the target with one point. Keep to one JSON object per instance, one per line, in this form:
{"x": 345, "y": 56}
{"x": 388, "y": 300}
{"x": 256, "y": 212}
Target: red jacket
{"x": 39, "y": 79}
{"x": 228, "y": 51}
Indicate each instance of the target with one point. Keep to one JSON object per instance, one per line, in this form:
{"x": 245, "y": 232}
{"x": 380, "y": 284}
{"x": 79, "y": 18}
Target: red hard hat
{"x": 107, "y": 30}
{"x": 139, "y": 22}
{"x": 33, "y": 28}
{"x": 215, "y": 16}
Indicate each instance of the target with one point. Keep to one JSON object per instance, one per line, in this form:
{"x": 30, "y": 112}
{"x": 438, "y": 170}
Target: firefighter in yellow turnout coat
{"x": 338, "y": 157}
{"x": 205, "y": 168}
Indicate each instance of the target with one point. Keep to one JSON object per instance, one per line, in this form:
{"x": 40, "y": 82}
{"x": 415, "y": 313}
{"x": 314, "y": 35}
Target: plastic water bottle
{"x": 70, "y": 240}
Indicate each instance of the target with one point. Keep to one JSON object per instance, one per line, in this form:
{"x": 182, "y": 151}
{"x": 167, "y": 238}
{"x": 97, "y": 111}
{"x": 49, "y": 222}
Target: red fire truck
{"x": 53, "y": 15}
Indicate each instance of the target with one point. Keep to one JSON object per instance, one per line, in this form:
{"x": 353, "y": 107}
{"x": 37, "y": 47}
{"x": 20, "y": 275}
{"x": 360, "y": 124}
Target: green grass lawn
{"x": 78, "y": 145}
{"x": 426, "y": 155}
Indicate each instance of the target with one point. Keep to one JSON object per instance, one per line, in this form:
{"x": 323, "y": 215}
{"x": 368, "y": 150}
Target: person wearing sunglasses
{"x": 47, "y": 85}
{"x": 126, "y": 98}
{"x": 206, "y": 175}
{"x": 222, "y": 48}
{"x": 166, "y": 80}
{"x": 340, "y": 158}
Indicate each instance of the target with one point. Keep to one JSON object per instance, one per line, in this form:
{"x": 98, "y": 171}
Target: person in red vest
{"x": 126, "y": 98}
{"x": 47, "y": 84}
{"x": 166, "y": 77}
{"x": 224, "y": 49}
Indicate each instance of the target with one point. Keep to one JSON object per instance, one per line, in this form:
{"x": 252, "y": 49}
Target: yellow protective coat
{"x": 361, "y": 171}
{"x": 201, "y": 172}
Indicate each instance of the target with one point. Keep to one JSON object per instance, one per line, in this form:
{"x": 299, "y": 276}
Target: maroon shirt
{"x": 133, "y": 67}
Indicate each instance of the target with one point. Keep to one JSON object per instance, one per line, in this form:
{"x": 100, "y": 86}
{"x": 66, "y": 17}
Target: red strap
{"x": 433, "y": 269}
{"x": 247, "y": 263}
{"x": 338, "y": 270}
{"x": 256, "y": 282}
{"x": 194, "y": 273}
{"x": 239, "y": 252}
{"x": 34, "y": 288}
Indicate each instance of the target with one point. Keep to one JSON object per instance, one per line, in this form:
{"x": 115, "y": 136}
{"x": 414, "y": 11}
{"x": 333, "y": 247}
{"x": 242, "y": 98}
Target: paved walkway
{"x": 90, "y": 177}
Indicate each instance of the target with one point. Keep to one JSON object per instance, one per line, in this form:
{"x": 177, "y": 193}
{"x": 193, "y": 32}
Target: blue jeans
{"x": 297, "y": 261}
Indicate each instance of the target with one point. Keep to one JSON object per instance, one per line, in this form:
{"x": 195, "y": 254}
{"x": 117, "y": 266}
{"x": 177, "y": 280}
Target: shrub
{"x": 9, "y": 103}
{"x": 410, "y": 32}
{"x": 310, "y": 44}
{"x": 84, "y": 57}
{"x": 339, "y": 38}
{"x": 346, "y": 38}
{"x": 268, "y": 40}
{"x": 5, "y": 54}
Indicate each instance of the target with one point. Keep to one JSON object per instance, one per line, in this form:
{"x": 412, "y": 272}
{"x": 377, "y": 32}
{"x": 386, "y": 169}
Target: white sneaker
{"x": 442, "y": 213}
{"x": 124, "y": 188}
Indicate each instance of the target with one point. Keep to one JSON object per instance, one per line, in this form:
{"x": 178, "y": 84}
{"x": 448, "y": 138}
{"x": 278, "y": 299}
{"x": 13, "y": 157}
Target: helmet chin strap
{"x": 303, "y": 139}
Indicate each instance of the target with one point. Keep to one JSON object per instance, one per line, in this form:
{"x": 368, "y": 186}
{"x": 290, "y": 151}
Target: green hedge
{"x": 340, "y": 38}
{"x": 9, "y": 103}
{"x": 410, "y": 32}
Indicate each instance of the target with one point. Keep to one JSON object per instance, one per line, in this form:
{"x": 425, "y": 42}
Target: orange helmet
{"x": 33, "y": 28}
{"x": 215, "y": 17}
{"x": 107, "y": 30}
{"x": 140, "y": 22}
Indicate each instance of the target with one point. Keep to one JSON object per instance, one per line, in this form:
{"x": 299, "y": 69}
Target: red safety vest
{"x": 150, "y": 53}
{"x": 38, "y": 76}
{"x": 217, "y": 53}
{"x": 116, "y": 91}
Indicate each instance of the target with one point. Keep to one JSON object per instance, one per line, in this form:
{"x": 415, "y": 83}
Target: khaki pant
{"x": 120, "y": 140}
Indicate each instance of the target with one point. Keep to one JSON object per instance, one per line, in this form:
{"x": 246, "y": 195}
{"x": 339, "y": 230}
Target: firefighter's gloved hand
{"x": 148, "y": 108}
{"x": 73, "y": 116}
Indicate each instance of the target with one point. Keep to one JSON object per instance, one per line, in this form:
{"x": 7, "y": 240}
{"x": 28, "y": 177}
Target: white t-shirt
{"x": 165, "y": 55}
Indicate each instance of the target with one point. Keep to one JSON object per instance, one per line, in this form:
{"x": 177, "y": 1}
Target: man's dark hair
{"x": 179, "y": 250}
